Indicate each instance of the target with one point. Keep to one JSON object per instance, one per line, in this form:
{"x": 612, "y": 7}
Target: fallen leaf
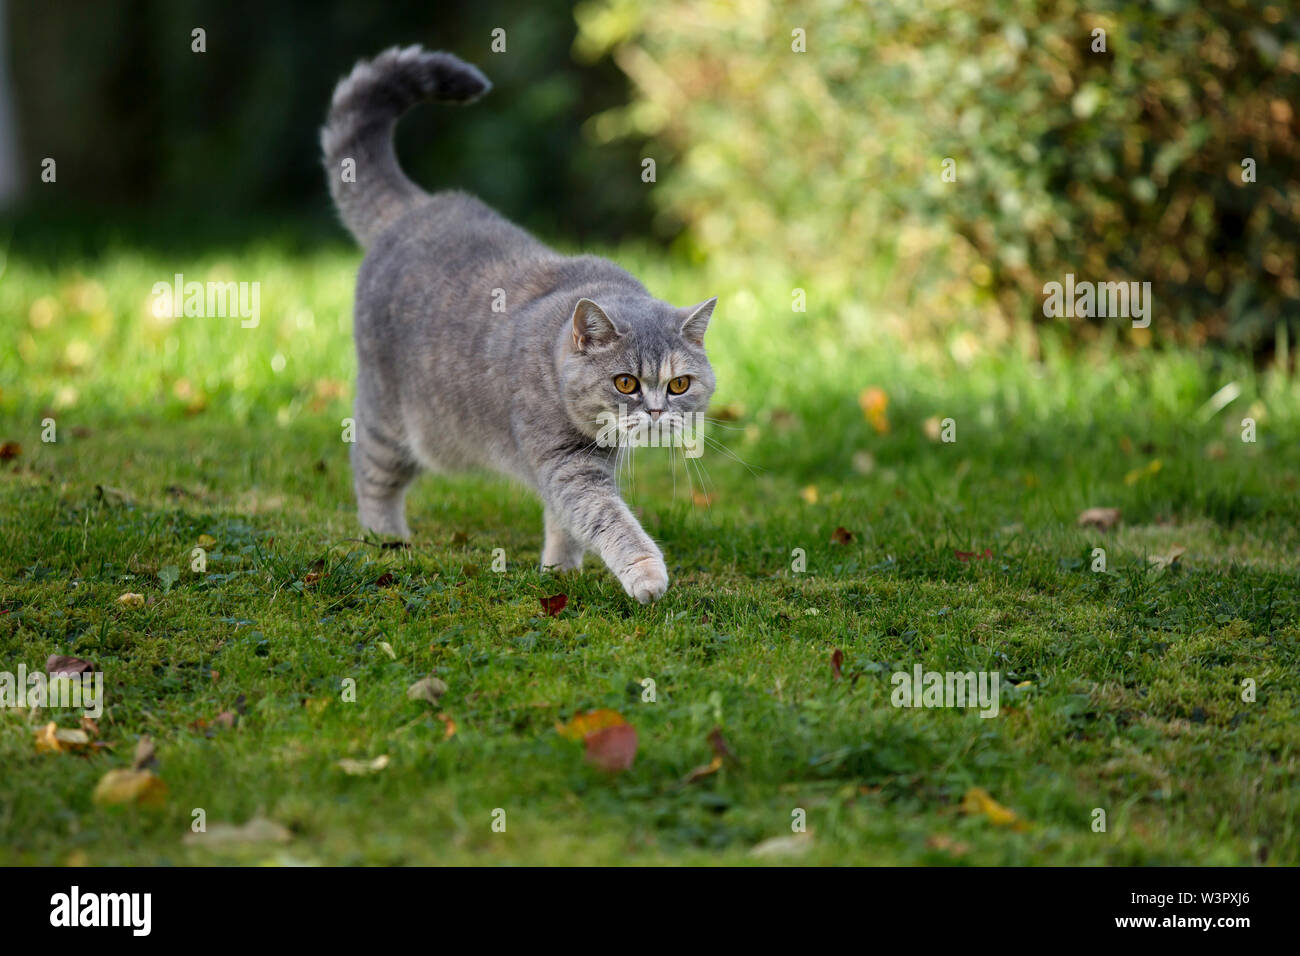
{"x": 55, "y": 739}
{"x": 612, "y": 749}
{"x": 143, "y": 787}
{"x": 809, "y": 494}
{"x": 967, "y": 555}
{"x": 719, "y": 745}
{"x": 427, "y": 688}
{"x": 1169, "y": 558}
{"x": 554, "y": 604}
{"x": 257, "y": 830}
{"x": 387, "y": 649}
{"x": 705, "y": 770}
{"x": 10, "y": 450}
{"x": 460, "y": 537}
{"x": 875, "y": 404}
{"x": 841, "y": 536}
{"x": 933, "y": 428}
{"x": 1103, "y": 518}
{"x": 384, "y": 580}
{"x": 449, "y": 726}
{"x": 312, "y": 577}
{"x": 131, "y": 600}
{"x": 90, "y": 726}
{"x": 978, "y": 802}
{"x": 1137, "y": 474}
{"x": 360, "y": 768}
{"x": 837, "y": 660}
{"x": 701, "y": 499}
{"x": 580, "y": 725}
{"x": 145, "y": 754}
{"x": 59, "y": 664}
{"x": 207, "y": 541}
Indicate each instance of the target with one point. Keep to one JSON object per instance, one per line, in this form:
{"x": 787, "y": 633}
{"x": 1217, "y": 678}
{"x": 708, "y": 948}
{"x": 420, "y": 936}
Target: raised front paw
{"x": 646, "y": 579}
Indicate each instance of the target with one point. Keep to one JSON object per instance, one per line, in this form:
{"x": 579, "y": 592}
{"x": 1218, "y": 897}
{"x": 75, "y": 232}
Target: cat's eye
{"x": 626, "y": 384}
{"x": 680, "y": 384}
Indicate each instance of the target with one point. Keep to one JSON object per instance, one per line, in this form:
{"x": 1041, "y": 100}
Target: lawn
{"x": 1125, "y": 689}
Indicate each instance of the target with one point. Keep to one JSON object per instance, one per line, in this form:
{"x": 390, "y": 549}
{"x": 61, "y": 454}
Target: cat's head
{"x": 636, "y": 366}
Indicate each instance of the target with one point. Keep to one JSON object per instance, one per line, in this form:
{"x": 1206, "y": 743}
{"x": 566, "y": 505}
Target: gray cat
{"x": 445, "y": 382}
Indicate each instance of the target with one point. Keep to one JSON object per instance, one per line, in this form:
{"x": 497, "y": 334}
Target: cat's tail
{"x": 368, "y": 187}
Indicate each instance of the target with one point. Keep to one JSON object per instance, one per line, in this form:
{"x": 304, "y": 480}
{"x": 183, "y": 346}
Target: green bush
{"x": 1116, "y": 165}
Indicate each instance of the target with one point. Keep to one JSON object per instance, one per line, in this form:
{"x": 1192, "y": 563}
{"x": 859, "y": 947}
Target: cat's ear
{"x": 592, "y": 327}
{"x": 696, "y": 322}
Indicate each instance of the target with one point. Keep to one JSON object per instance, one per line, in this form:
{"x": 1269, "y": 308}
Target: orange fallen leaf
{"x": 837, "y": 661}
{"x": 967, "y": 555}
{"x": 580, "y": 725}
{"x": 449, "y": 726}
{"x": 10, "y": 450}
{"x": 841, "y": 536}
{"x": 875, "y": 404}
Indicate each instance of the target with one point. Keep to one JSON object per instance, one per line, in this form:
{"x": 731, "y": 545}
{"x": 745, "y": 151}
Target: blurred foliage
{"x": 1123, "y": 165}
{"x": 140, "y": 123}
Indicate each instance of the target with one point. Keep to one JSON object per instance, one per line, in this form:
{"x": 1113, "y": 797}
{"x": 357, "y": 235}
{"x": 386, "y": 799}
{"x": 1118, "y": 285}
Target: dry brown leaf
{"x": 59, "y": 664}
{"x": 145, "y": 754}
{"x": 612, "y": 749}
{"x": 427, "y": 688}
{"x": 1102, "y": 518}
{"x": 1169, "y": 558}
{"x": 841, "y": 536}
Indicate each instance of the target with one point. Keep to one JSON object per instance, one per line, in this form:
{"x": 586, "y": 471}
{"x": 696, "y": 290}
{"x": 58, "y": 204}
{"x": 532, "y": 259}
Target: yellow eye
{"x": 680, "y": 384}
{"x": 626, "y": 384}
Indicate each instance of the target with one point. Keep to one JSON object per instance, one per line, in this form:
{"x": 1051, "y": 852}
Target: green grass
{"x": 1121, "y": 690}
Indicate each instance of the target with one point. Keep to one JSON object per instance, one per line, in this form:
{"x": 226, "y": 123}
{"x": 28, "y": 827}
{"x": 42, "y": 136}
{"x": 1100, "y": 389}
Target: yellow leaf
{"x": 582, "y": 724}
{"x": 809, "y": 494}
{"x": 53, "y": 739}
{"x": 875, "y": 404}
{"x": 143, "y": 787}
{"x": 131, "y": 600}
{"x": 1137, "y": 474}
{"x": 207, "y": 541}
{"x": 977, "y": 802}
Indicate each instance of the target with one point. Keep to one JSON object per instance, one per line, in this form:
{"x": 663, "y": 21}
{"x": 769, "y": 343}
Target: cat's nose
{"x": 655, "y": 413}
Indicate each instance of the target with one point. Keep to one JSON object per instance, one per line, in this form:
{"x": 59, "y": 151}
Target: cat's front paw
{"x": 646, "y": 579}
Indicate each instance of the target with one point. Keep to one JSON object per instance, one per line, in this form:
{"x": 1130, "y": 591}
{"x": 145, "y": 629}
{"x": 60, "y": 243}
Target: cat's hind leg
{"x": 561, "y": 551}
{"x": 381, "y": 471}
